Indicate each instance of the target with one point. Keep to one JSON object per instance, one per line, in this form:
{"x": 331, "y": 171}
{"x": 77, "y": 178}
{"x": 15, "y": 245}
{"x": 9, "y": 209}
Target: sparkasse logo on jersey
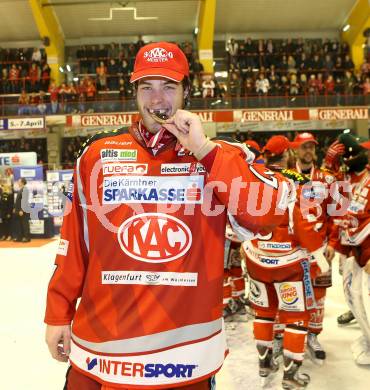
{"x": 158, "y": 54}
{"x": 154, "y": 237}
{"x": 111, "y": 155}
{"x": 125, "y": 169}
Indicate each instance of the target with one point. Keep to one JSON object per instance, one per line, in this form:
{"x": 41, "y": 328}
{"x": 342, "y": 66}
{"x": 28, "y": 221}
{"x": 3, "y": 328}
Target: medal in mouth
{"x": 159, "y": 116}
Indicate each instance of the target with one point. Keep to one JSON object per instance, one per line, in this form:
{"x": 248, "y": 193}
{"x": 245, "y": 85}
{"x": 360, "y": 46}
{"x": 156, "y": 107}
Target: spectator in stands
{"x": 41, "y": 105}
{"x": 36, "y": 56}
{"x": 54, "y": 97}
{"x": 235, "y": 85}
{"x": 113, "y": 51}
{"x": 232, "y": 49}
{"x": 122, "y": 89}
{"x": 196, "y": 68}
{"x": 348, "y": 63}
{"x": 112, "y": 70}
{"x": 90, "y": 94}
{"x": 14, "y": 79}
{"x": 81, "y": 95}
{"x": 339, "y": 90}
{"x": 262, "y": 85}
{"x": 6, "y": 207}
{"x": 329, "y": 85}
{"x": 328, "y": 62}
{"x": 312, "y": 89}
{"x": 249, "y": 88}
{"x": 23, "y": 77}
{"x": 348, "y": 83}
{"x": 320, "y": 84}
{"x": 303, "y": 62}
{"x": 101, "y": 73}
{"x": 366, "y": 86}
{"x": 102, "y": 53}
{"x": 5, "y": 84}
{"x": 208, "y": 87}
{"x": 303, "y": 83}
{"x": 338, "y": 68}
{"x": 45, "y": 77}
{"x": 274, "y": 84}
{"x": 81, "y": 55}
{"x": 140, "y": 43}
{"x": 20, "y": 214}
{"x": 316, "y": 63}
{"x": 34, "y": 77}
{"x": 291, "y": 64}
{"x": 294, "y": 85}
{"x": 34, "y": 102}
{"x": 23, "y": 103}
{"x": 250, "y": 52}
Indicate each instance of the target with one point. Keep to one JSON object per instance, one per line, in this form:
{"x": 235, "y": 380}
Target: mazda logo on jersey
{"x": 154, "y": 237}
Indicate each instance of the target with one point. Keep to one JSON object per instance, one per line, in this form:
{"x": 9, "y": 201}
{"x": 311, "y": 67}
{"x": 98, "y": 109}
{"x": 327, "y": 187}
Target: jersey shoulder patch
{"x": 100, "y": 135}
{"x": 300, "y": 178}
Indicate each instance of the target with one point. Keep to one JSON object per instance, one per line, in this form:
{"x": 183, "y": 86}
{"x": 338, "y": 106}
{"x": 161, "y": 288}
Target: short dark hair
{"x": 23, "y": 181}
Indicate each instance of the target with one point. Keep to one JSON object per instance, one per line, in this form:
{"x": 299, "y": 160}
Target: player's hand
{"x": 58, "y": 339}
{"x": 329, "y": 253}
{"x": 367, "y": 267}
{"x": 331, "y": 161}
{"x": 187, "y": 128}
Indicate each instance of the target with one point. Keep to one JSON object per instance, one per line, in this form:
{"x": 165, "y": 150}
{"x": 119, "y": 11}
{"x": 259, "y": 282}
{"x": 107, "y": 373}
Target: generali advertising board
{"x": 226, "y": 116}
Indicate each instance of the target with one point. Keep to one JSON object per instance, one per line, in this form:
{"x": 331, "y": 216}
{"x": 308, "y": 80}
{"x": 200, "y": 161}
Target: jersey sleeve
{"x": 71, "y": 260}
{"x": 255, "y": 196}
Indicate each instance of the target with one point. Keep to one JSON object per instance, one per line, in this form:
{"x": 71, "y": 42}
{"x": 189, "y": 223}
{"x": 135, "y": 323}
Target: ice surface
{"x": 26, "y": 364}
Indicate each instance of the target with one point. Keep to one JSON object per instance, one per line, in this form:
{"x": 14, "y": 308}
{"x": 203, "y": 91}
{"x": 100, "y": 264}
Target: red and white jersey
{"x": 354, "y": 228}
{"x": 324, "y": 189}
{"x": 291, "y": 241}
{"x": 143, "y": 242}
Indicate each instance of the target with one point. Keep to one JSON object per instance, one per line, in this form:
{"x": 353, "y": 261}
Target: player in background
{"x": 322, "y": 187}
{"x": 280, "y": 271}
{"x": 353, "y": 239}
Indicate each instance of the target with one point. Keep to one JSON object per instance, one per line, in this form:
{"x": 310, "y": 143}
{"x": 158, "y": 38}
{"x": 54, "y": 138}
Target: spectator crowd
{"x": 294, "y": 67}
{"x": 255, "y": 68}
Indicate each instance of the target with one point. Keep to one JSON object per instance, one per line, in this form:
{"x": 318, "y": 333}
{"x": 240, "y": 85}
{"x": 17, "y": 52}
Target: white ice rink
{"x": 26, "y": 365}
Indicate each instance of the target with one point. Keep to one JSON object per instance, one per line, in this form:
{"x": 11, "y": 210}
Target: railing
{"x": 111, "y": 103}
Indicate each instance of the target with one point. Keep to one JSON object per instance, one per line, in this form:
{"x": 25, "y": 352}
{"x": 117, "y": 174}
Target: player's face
{"x": 306, "y": 153}
{"x": 158, "y": 93}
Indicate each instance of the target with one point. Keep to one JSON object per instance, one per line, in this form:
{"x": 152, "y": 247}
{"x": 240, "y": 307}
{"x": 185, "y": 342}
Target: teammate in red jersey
{"x": 353, "y": 241}
{"x": 145, "y": 239}
{"x": 322, "y": 185}
{"x": 280, "y": 270}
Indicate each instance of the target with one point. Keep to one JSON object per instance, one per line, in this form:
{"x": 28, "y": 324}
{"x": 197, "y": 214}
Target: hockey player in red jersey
{"x": 322, "y": 187}
{"x": 234, "y": 284}
{"x": 145, "y": 239}
{"x": 353, "y": 241}
{"x": 280, "y": 271}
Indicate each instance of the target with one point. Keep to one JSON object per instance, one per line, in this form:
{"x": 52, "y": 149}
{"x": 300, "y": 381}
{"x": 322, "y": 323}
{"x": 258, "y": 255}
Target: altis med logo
{"x": 153, "y": 189}
{"x": 115, "y": 155}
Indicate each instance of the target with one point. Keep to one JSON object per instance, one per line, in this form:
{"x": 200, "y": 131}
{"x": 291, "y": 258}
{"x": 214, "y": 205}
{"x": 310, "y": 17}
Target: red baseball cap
{"x": 277, "y": 145}
{"x": 303, "y": 138}
{"x": 161, "y": 59}
{"x": 253, "y": 144}
{"x": 366, "y": 144}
